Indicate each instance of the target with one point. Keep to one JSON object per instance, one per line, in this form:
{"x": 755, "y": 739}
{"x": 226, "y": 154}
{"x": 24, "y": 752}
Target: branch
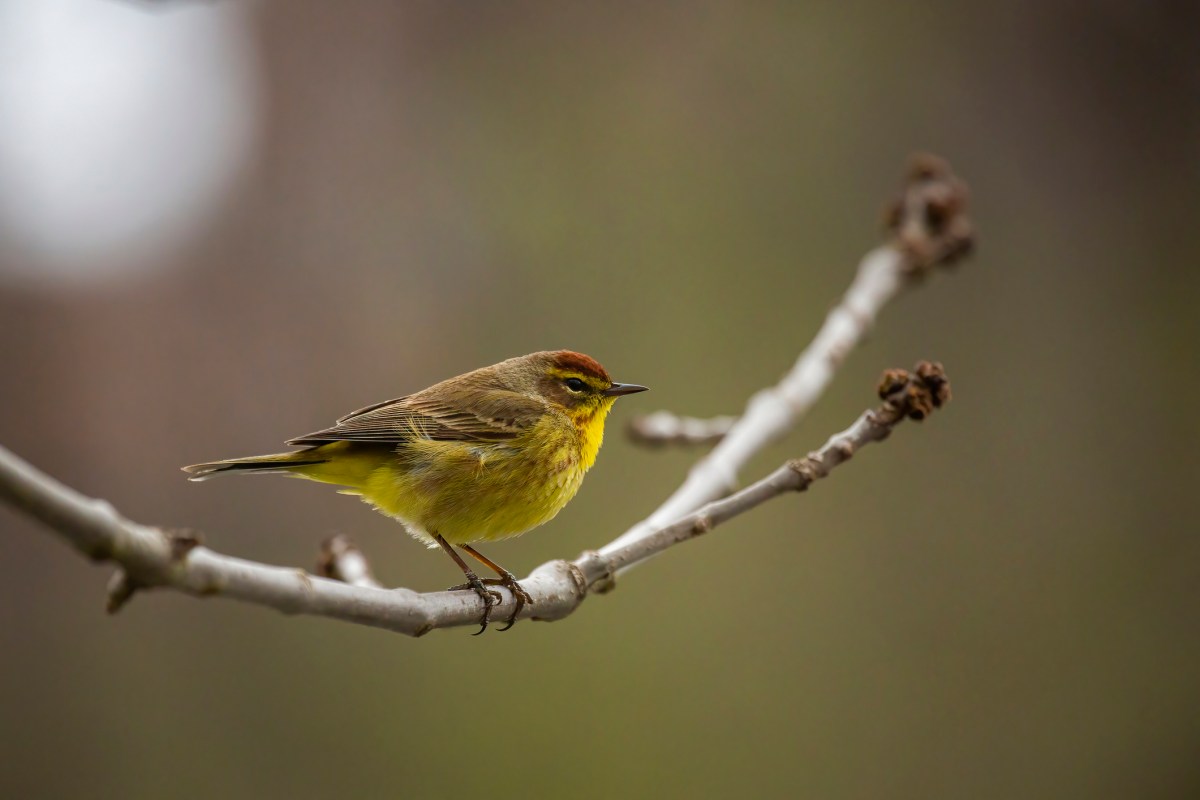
{"x": 929, "y": 229}
{"x": 341, "y": 560}
{"x": 663, "y": 428}
{"x": 913, "y": 396}
{"x": 149, "y": 557}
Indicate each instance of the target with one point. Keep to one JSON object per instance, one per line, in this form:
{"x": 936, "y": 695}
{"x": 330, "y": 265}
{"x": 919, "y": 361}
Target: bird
{"x": 483, "y": 456}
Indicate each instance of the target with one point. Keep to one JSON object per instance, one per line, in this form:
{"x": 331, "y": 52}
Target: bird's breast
{"x": 479, "y": 491}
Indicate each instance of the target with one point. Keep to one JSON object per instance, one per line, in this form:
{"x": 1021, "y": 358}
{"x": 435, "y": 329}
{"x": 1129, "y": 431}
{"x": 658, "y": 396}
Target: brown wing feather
{"x": 484, "y": 415}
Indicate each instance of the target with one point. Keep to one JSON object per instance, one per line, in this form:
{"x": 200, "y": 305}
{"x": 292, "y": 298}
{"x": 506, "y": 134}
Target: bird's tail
{"x": 279, "y": 462}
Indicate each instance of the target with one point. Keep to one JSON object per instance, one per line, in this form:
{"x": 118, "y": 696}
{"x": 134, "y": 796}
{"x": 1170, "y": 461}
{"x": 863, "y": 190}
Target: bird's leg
{"x": 488, "y": 596}
{"x": 506, "y": 579}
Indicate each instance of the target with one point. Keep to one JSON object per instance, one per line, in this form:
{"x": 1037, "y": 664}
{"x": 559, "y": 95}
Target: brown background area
{"x": 1001, "y": 603}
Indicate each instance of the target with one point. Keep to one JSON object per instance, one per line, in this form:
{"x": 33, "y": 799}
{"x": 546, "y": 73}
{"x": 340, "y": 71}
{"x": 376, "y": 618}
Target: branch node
{"x": 342, "y": 560}
{"x": 597, "y": 573}
{"x": 552, "y": 602}
{"x": 917, "y": 394}
{"x": 606, "y": 584}
{"x": 306, "y": 583}
{"x": 121, "y": 588}
{"x": 182, "y": 541}
{"x": 928, "y": 220}
{"x": 806, "y": 470}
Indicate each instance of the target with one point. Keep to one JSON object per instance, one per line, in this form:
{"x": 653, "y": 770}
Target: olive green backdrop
{"x": 1001, "y": 602}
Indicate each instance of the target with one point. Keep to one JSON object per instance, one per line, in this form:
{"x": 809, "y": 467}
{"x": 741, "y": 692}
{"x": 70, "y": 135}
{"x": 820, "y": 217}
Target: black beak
{"x": 618, "y": 389}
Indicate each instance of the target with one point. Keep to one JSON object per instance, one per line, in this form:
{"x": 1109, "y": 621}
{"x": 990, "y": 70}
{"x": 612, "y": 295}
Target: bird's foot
{"x": 490, "y": 598}
{"x": 509, "y": 581}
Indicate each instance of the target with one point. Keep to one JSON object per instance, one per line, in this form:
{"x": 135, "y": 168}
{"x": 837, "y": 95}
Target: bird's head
{"x": 577, "y": 384}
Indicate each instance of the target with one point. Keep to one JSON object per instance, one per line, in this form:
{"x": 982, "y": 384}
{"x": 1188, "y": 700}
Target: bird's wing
{"x": 489, "y": 415}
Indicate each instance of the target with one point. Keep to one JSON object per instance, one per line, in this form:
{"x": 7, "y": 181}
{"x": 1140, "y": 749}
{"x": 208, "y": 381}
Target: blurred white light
{"x": 122, "y": 126}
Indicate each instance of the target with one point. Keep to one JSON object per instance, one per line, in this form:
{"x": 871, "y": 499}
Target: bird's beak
{"x": 618, "y": 389}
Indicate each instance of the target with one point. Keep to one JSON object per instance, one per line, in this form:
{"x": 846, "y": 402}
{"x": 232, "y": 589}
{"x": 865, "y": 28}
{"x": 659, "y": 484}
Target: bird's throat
{"x": 589, "y": 424}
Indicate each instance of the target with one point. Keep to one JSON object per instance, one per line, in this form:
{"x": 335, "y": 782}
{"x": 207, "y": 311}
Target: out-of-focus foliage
{"x": 1000, "y": 603}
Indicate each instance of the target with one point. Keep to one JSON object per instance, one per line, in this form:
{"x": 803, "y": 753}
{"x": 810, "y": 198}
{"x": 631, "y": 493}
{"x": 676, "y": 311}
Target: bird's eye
{"x": 575, "y": 385}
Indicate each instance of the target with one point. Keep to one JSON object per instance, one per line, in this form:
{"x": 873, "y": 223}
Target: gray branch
{"x": 929, "y": 229}
{"x": 150, "y": 557}
{"x": 663, "y": 428}
{"x": 341, "y": 560}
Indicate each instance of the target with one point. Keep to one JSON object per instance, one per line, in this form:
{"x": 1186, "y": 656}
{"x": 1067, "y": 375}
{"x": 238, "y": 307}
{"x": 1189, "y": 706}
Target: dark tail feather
{"x": 283, "y": 462}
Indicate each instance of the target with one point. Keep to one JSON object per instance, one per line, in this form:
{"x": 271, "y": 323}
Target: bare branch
{"x": 663, "y": 428}
{"x": 342, "y": 560}
{"x": 149, "y": 557}
{"x": 912, "y": 396}
{"x": 929, "y": 229}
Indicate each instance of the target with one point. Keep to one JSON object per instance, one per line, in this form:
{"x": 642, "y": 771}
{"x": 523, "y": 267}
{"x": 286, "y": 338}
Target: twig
{"x": 663, "y": 428}
{"x": 929, "y": 229}
{"x": 913, "y": 396}
{"x": 341, "y": 560}
{"x": 149, "y": 557}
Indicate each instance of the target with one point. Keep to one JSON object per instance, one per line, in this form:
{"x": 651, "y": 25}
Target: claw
{"x": 489, "y": 597}
{"x": 510, "y": 582}
{"x": 522, "y": 597}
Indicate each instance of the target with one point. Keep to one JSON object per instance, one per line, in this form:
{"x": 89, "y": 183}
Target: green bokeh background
{"x": 1003, "y": 602}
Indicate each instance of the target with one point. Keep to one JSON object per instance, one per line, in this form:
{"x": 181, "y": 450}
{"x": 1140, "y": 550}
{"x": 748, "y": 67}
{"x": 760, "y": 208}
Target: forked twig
{"x": 151, "y": 558}
{"x": 929, "y": 229}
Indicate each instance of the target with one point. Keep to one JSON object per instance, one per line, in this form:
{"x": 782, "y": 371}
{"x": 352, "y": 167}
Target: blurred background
{"x": 227, "y": 223}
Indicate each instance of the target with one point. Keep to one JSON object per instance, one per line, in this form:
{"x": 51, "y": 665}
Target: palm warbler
{"x": 483, "y": 456}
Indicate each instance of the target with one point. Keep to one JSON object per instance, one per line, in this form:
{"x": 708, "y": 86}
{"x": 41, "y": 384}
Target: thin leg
{"x": 488, "y": 596}
{"x": 506, "y": 579}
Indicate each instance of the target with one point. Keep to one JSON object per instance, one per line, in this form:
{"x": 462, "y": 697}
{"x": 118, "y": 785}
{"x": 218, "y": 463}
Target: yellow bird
{"x": 480, "y": 457}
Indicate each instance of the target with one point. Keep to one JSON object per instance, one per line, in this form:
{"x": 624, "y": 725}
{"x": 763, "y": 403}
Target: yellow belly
{"x": 467, "y": 491}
